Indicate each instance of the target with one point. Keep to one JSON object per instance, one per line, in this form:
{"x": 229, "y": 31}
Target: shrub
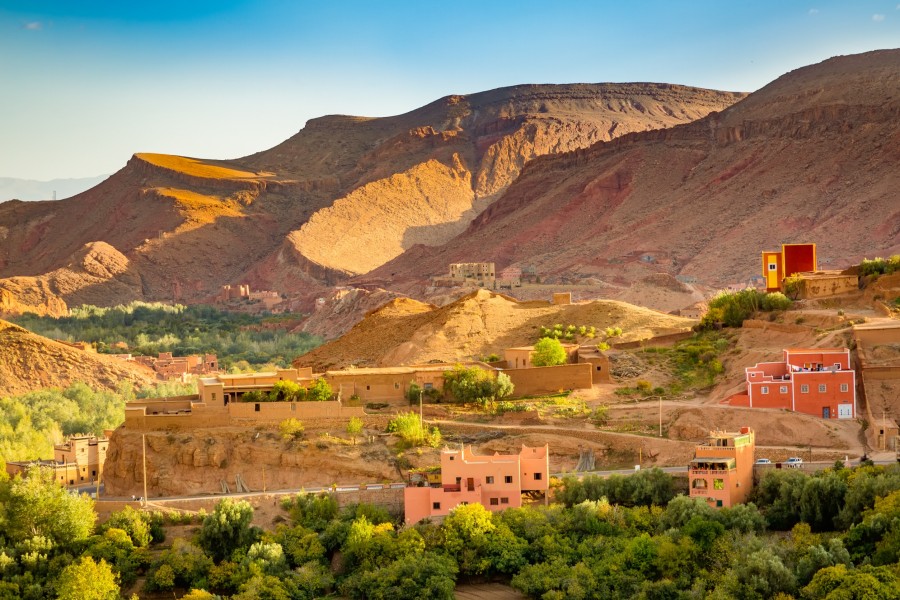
{"x": 548, "y": 352}
{"x": 776, "y": 301}
{"x": 475, "y": 385}
{"x": 412, "y": 432}
{"x": 291, "y": 429}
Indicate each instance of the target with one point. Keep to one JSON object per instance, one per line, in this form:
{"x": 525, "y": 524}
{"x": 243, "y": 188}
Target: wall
{"x": 372, "y": 387}
{"x": 543, "y": 380}
{"x": 278, "y": 411}
{"x": 600, "y": 367}
{"x": 659, "y": 340}
{"x": 823, "y": 286}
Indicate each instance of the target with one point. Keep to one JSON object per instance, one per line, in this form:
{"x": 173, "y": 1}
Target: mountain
{"x": 406, "y": 331}
{"x": 29, "y": 189}
{"x": 30, "y": 362}
{"x": 339, "y": 198}
{"x": 811, "y": 157}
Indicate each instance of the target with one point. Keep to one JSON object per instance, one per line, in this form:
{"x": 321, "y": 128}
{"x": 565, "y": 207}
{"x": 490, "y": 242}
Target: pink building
{"x": 815, "y": 381}
{"x": 496, "y": 482}
{"x": 722, "y": 470}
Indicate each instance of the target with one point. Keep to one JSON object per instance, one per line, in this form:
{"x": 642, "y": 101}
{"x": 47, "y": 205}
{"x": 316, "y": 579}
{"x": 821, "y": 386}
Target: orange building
{"x": 496, "y": 482}
{"x": 722, "y": 469}
{"x": 815, "y": 381}
{"x": 792, "y": 259}
{"x": 79, "y": 460}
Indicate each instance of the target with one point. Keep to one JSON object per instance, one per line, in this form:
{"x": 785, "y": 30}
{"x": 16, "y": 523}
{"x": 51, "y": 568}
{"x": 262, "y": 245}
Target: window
{"x": 718, "y": 504}
{"x": 823, "y": 388}
{"x": 783, "y": 389}
{"x": 845, "y": 387}
{"x": 495, "y": 501}
{"x": 837, "y": 366}
{"x": 718, "y": 484}
{"x": 507, "y": 479}
{"x": 764, "y": 389}
{"x": 538, "y": 476}
{"x": 504, "y": 500}
{"x": 367, "y": 388}
{"x": 429, "y": 386}
{"x": 396, "y": 386}
{"x": 213, "y": 396}
{"x": 489, "y": 479}
{"x": 599, "y": 368}
{"x": 772, "y": 266}
{"x": 452, "y": 457}
{"x": 458, "y": 480}
{"x": 436, "y": 506}
{"x": 804, "y": 389}
{"x": 256, "y": 407}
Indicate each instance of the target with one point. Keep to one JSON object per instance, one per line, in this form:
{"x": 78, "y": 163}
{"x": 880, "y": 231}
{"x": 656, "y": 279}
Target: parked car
{"x": 794, "y": 462}
{"x": 763, "y": 461}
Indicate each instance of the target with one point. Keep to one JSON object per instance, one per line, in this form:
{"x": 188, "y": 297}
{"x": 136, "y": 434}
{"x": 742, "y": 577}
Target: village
{"x": 829, "y": 383}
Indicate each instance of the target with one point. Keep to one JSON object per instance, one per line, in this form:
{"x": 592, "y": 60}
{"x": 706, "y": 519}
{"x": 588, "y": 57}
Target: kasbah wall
{"x": 543, "y": 380}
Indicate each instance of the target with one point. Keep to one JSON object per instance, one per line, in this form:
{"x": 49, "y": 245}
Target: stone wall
{"x": 544, "y": 380}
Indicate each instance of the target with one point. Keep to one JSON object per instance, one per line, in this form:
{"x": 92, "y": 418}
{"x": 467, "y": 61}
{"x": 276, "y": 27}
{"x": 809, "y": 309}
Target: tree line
{"x": 832, "y": 535}
{"x": 239, "y": 340}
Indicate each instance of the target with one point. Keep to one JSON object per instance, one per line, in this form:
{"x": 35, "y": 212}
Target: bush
{"x": 475, "y": 385}
{"x": 548, "y": 352}
{"x": 411, "y": 431}
{"x": 291, "y": 429}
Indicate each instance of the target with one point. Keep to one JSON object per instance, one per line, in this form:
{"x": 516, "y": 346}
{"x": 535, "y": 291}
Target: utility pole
{"x": 660, "y": 416}
{"x": 144, "y": 448}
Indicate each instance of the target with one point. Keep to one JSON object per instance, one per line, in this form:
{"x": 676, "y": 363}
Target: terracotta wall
{"x": 825, "y": 286}
{"x": 277, "y": 411}
{"x": 544, "y": 380}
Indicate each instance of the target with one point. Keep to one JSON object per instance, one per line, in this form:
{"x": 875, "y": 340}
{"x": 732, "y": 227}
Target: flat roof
{"x": 815, "y": 350}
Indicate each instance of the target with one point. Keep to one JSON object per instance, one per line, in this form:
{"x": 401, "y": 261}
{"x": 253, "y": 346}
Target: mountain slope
{"x": 30, "y": 362}
{"x": 811, "y": 157}
{"x": 29, "y": 189}
{"x": 406, "y": 331}
{"x": 282, "y": 218}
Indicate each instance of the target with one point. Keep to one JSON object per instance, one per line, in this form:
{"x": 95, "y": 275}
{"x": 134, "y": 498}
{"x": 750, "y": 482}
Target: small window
{"x": 764, "y": 389}
{"x": 256, "y": 407}
{"x": 599, "y": 368}
{"x": 489, "y": 479}
{"x": 783, "y": 389}
{"x": 823, "y": 388}
{"x": 718, "y": 504}
{"x": 504, "y": 500}
{"x": 752, "y": 374}
{"x": 837, "y": 366}
{"x": 367, "y": 388}
{"x": 436, "y": 506}
{"x": 507, "y": 479}
{"x": 396, "y": 386}
{"x": 845, "y": 387}
{"x": 538, "y": 476}
{"x": 429, "y": 386}
{"x": 772, "y": 266}
{"x": 804, "y": 389}
{"x": 495, "y": 501}
{"x": 458, "y": 480}
{"x": 213, "y": 396}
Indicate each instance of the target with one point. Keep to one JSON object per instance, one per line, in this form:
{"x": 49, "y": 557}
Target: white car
{"x": 763, "y": 461}
{"x": 794, "y": 462}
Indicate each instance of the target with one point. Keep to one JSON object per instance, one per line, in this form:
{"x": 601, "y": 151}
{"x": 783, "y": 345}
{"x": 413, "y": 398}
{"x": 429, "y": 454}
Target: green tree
{"x": 227, "y": 529}
{"x": 36, "y": 505}
{"x": 133, "y": 523}
{"x": 354, "y": 428}
{"x": 548, "y": 352}
{"x": 320, "y": 391}
{"x": 841, "y": 582}
{"x": 87, "y": 580}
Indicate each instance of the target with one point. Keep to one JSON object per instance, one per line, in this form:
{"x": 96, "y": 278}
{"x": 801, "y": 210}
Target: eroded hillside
{"x": 29, "y": 362}
{"x": 810, "y": 157}
{"x": 406, "y": 331}
{"x": 342, "y": 196}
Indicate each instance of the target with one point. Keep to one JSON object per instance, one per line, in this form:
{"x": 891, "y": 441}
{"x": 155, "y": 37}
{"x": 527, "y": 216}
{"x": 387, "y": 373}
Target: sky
{"x": 84, "y": 84}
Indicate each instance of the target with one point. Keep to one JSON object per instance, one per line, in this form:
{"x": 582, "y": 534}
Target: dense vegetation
{"x": 471, "y": 384}
{"x": 879, "y": 266}
{"x": 731, "y": 309}
{"x": 548, "y": 352}
{"x": 291, "y": 391}
{"x": 833, "y": 535}
{"x": 149, "y": 328}
{"x": 31, "y": 423}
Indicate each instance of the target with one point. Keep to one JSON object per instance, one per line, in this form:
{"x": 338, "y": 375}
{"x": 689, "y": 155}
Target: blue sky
{"x": 85, "y": 84}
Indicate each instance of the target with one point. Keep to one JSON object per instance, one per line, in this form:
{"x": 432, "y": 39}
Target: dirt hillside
{"x": 340, "y": 197}
{"x": 30, "y": 362}
{"x": 405, "y": 331}
{"x": 810, "y": 157}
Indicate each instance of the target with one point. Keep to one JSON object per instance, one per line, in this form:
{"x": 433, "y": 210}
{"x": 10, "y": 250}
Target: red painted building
{"x": 722, "y": 469}
{"x": 815, "y": 381}
{"x": 792, "y": 259}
